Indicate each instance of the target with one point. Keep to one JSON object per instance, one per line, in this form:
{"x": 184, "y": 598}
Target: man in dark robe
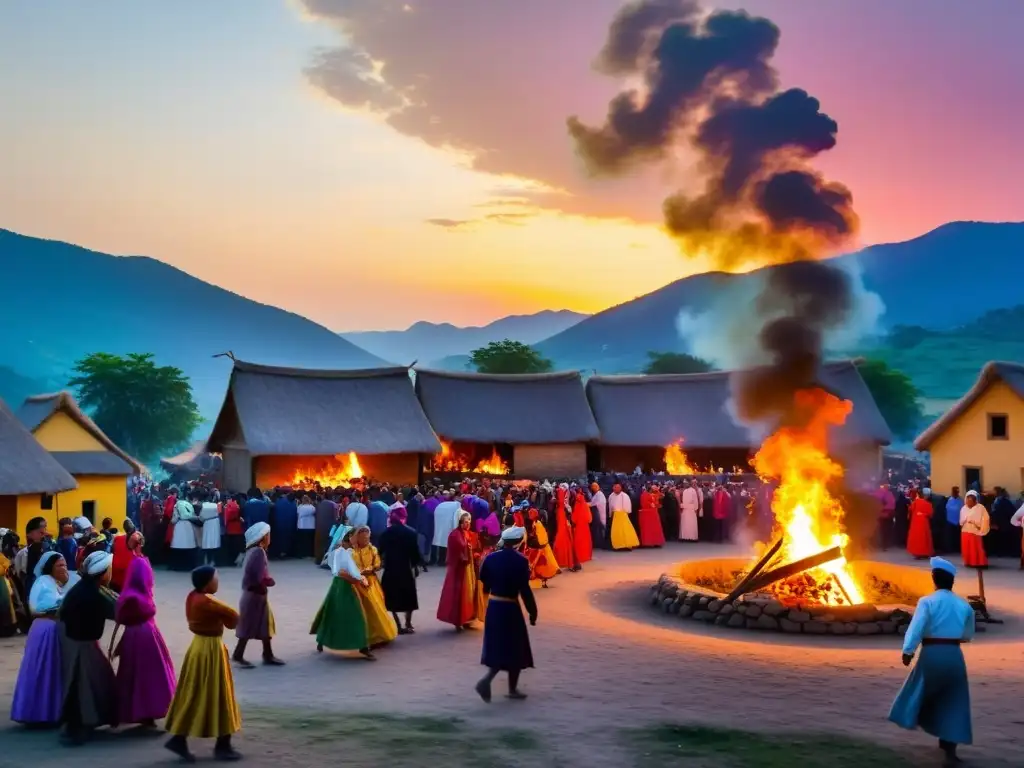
{"x": 1004, "y": 538}
{"x": 284, "y": 525}
{"x": 401, "y": 558}
{"x": 326, "y": 517}
{"x": 669, "y": 513}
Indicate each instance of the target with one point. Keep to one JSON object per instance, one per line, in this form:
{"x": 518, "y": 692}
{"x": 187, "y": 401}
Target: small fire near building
{"x": 529, "y": 425}
{"x": 305, "y": 428}
{"x": 679, "y": 423}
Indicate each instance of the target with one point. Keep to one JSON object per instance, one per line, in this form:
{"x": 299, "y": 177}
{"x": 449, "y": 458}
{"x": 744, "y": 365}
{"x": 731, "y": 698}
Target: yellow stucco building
{"x": 981, "y": 438}
{"x": 30, "y": 478}
{"x": 98, "y": 466}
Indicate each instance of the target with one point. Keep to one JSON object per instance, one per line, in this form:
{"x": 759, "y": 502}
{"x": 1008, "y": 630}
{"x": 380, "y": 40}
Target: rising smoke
{"x": 708, "y": 83}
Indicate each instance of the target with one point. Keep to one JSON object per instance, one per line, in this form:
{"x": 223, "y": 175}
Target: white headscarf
{"x": 46, "y": 594}
{"x": 97, "y": 563}
{"x": 255, "y": 534}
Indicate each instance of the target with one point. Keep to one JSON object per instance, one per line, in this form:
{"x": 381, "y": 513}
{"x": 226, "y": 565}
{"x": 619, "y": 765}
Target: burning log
{"x": 741, "y": 586}
{"x": 795, "y": 567}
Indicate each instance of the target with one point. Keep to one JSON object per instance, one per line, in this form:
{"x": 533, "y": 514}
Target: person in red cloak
{"x": 458, "y": 595}
{"x": 582, "y": 542}
{"x": 919, "y": 538}
{"x": 564, "y": 553}
{"x": 651, "y": 533}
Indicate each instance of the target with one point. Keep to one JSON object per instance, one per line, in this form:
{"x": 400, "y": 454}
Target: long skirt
{"x": 651, "y": 533}
{"x": 204, "y": 705}
{"x": 689, "y": 530}
{"x": 39, "y": 690}
{"x": 936, "y": 697}
{"x": 340, "y": 623}
{"x": 972, "y": 547}
{"x": 623, "y": 533}
{"x": 379, "y": 624}
{"x": 542, "y": 563}
{"x": 90, "y": 690}
{"x": 919, "y": 539}
{"x": 399, "y": 585}
{"x": 145, "y": 674}
{"x": 457, "y": 605}
{"x": 506, "y": 639}
{"x": 255, "y": 617}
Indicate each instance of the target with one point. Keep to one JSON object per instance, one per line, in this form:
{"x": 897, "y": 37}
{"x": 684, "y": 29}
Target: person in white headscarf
{"x": 39, "y": 690}
{"x": 255, "y": 616}
{"x": 974, "y": 526}
{"x": 340, "y": 622}
{"x": 90, "y": 692}
{"x": 184, "y": 545}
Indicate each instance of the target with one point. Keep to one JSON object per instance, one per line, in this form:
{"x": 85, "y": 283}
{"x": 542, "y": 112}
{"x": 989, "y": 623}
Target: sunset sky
{"x": 263, "y": 145}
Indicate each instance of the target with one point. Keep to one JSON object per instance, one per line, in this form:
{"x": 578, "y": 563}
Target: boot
{"x": 179, "y": 746}
{"x": 224, "y": 751}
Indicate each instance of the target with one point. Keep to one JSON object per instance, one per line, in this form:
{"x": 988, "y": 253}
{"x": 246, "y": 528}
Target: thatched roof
{"x": 541, "y": 408}
{"x": 185, "y": 458}
{"x": 37, "y": 409}
{"x": 658, "y": 410}
{"x": 298, "y": 411}
{"x": 25, "y": 466}
{"x": 1011, "y": 374}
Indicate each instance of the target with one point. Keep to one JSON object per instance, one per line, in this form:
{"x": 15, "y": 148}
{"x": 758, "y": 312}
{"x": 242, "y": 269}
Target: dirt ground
{"x": 607, "y": 663}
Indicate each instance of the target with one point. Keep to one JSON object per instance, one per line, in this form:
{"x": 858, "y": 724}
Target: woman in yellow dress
{"x": 379, "y": 624}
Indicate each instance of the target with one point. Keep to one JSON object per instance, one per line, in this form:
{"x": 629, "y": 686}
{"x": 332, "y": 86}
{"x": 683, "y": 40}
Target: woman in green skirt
{"x": 340, "y": 623}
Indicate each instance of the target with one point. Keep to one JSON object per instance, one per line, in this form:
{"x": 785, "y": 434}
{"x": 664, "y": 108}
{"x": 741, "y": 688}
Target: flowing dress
{"x": 651, "y": 533}
{"x": 39, "y": 689}
{"x": 623, "y": 535}
{"x": 689, "y": 506}
{"x": 204, "y": 704}
{"x": 974, "y": 526}
{"x": 340, "y": 622}
{"x": 919, "y": 540}
{"x": 565, "y": 555}
{"x": 90, "y": 690}
{"x": 457, "y": 605}
{"x": 209, "y": 513}
{"x": 582, "y": 542}
{"x": 542, "y": 561}
{"x": 400, "y": 555}
{"x": 506, "y": 576}
{"x": 255, "y": 617}
{"x": 380, "y": 625}
{"x": 145, "y": 672}
{"x": 935, "y": 696}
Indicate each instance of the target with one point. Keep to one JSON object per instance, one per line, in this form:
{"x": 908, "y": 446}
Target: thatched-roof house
{"x": 639, "y": 415}
{"x": 542, "y": 419}
{"x": 279, "y": 421}
{"x": 981, "y": 438}
{"x": 99, "y": 465}
{"x": 192, "y": 463}
{"x": 30, "y": 478}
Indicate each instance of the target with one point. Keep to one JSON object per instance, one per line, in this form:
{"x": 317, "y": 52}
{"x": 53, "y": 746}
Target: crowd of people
{"x": 494, "y": 538}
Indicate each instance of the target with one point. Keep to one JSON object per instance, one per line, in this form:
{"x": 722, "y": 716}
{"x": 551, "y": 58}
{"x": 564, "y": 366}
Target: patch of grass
{"x": 728, "y": 748}
{"x": 394, "y": 740}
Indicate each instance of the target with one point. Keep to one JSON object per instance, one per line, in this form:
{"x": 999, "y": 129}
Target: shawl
{"x": 342, "y": 561}
{"x": 136, "y": 605}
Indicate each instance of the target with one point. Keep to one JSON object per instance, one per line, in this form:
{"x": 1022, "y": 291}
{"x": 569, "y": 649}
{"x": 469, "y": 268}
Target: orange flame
{"x": 676, "y": 462}
{"x": 808, "y": 516}
{"x": 330, "y": 474}
{"x": 449, "y": 461}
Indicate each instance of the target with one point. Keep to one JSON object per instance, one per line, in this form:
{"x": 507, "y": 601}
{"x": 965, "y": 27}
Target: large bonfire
{"x": 341, "y": 472}
{"x": 449, "y": 461}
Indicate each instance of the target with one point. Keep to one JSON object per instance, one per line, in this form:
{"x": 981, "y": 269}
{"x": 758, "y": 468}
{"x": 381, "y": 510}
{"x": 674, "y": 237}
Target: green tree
{"x": 675, "y": 362}
{"x": 146, "y": 409}
{"x": 509, "y": 357}
{"x": 897, "y": 397}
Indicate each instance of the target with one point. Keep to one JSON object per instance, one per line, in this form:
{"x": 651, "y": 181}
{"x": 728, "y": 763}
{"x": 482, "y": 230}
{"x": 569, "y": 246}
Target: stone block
{"x": 737, "y": 621}
{"x": 685, "y": 611}
{"x": 727, "y": 609}
{"x": 766, "y": 622}
{"x": 814, "y": 627}
{"x": 670, "y": 590}
{"x": 869, "y": 628}
{"x": 656, "y": 598}
{"x": 773, "y": 608}
{"x": 753, "y": 611}
{"x": 692, "y": 600}
{"x": 703, "y": 602}
{"x": 666, "y": 603}
{"x": 715, "y": 606}
{"x": 888, "y": 627}
{"x": 841, "y": 628}
{"x": 676, "y": 605}
{"x": 751, "y": 623}
{"x": 721, "y": 620}
{"x": 800, "y": 617}
{"x": 704, "y": 615}
{"x": 791, "y": 627}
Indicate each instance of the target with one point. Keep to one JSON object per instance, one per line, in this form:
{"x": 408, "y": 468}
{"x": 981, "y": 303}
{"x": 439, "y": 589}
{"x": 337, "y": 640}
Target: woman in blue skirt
{"x": 935, "y": 696}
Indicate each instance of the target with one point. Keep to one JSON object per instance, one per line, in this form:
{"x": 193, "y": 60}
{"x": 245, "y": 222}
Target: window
{"x": 46, "y": 501}
{"x": 998, "y": 426}
{"x": 89, "y": 511}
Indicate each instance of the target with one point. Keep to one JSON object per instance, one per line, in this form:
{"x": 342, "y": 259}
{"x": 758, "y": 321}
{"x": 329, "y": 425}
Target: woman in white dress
{"x": 183, "y": 540}
{"x": 209, "y": 514}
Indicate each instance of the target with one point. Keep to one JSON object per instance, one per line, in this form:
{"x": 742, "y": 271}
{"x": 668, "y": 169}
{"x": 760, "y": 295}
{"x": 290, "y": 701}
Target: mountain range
{"x": 430, "y": 342}
{"x": 64, "y": 301}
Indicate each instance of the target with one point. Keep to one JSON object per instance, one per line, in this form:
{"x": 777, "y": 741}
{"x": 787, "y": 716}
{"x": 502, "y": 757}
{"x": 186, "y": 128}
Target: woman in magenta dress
{"x": 458, "y": 604}
{"x": 145, "y": 672}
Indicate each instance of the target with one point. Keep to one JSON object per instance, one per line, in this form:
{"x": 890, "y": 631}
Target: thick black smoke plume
{"x": 708, "y": 82}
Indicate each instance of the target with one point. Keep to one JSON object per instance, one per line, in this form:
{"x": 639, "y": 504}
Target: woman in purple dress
{"x": 255, "y": 618}
{"x": 39, "y": 690}
{"x": 145, "y": 672}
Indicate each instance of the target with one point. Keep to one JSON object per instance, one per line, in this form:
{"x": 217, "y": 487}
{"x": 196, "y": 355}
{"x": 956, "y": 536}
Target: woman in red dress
{"x": 458, "y": 595}
{"x": 651, "y": 533}
{"x": 564, "y": 552}
{"x": 974, "y": 526}
{"x": 582, "y": 542}
{"x": 919, "y": 538}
